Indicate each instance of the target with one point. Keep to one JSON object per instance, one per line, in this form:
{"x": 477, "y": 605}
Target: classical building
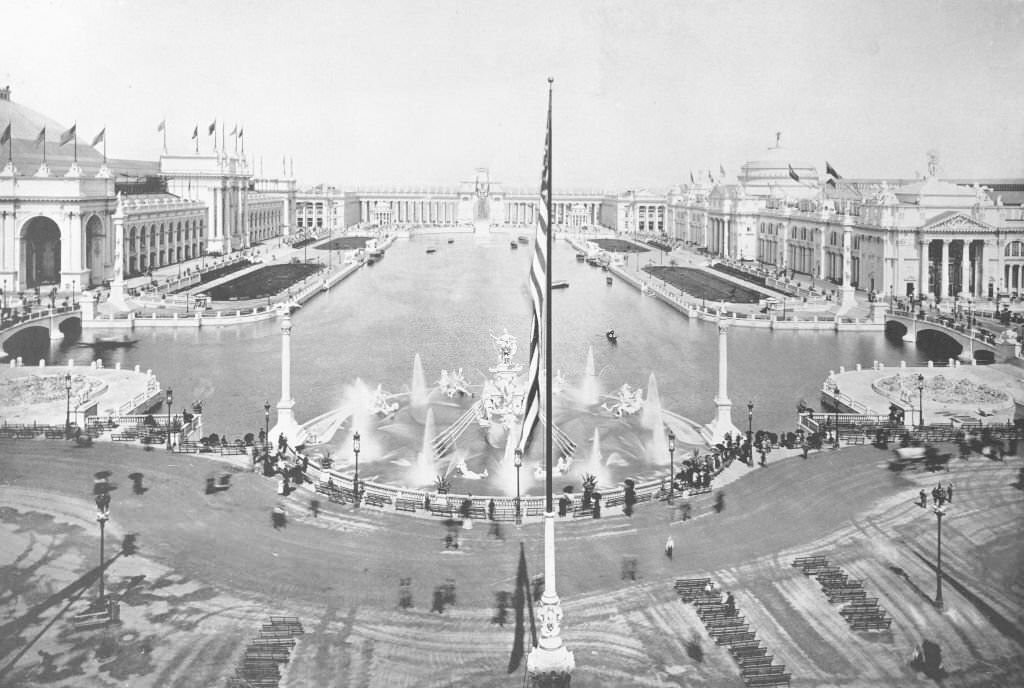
{"x": 892, "y": 237}
{"x": 480, "y": 202}
{"x": 58, "y": 197}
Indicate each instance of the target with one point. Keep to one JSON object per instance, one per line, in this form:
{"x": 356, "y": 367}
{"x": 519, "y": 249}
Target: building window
{"x": 1014, "y": 249}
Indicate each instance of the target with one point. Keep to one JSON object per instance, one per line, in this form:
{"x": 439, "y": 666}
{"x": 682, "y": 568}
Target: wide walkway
{"x": 341, "y": 570}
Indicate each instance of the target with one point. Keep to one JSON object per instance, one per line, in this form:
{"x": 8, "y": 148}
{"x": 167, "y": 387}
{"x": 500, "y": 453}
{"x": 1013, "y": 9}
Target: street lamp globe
{"x": 67, "y": 408}
{"x": 355, "y": 476}
{"x": 671, "y": 464}
{"x": 920, "y": 399}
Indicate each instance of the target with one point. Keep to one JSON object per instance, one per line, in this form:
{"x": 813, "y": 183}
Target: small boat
{"x": 377, "y": 253}
{"x": 451, "y": 241}
{"x": 371, "y": 260}
{"x": 513, "y": 245}
{"x": 431, "y": 250}
{"x": 559, "y": 284}
{"x": 581, "y": 257}
{"x": 110, "y": 343}
{"x": 608, "y": 280}
{"x": 524, "y": 239}
{"x": 611, "y": 336}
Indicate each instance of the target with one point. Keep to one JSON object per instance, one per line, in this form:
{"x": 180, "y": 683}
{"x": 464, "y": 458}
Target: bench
{"x": 846, "y": 595}
{"x": 376, "y": 499}
{"x": 758, "y": 681}
{"x": 723, "y": 622}
{"x": 276, "y": 654}
{"x": 719, "y": 615}
{"x": 766, "y": 670}
{"x": 288, "y": 620}
{"x": 750, "y": 661}
{"x": 815, "y": 560}
{"x": 54, "y": 433}
{"x": 877, "y": 624}
{"x": 273, "y": 640}
{"x": 409, "y": 505}
{"x": 735, "y": 637}
{"x": 743, "y": 651}
{"x": 440, "y": 510}
{"x": 865, "y": 603}
{"x": 276, "y": 633}
{"x": 839, "y": 581}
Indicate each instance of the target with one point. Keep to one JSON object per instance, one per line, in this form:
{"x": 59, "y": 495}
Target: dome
{"x": 770, "y": 175}
{"x": 26, "y": 124}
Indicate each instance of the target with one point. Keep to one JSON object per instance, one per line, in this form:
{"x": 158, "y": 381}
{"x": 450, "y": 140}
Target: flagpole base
{"x": 550, "y": 668}
{"x": 74, "y": 172}
{"x": 43, "y": 171}
{"x": 9, "y": 170}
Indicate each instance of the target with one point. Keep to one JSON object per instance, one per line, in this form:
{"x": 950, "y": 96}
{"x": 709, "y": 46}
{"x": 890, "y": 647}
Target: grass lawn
{"x": 703, "y": 285}
{"x": 620, "y": 246}
{"x": 343, "y": 244}
{"x": 267, "y": 281}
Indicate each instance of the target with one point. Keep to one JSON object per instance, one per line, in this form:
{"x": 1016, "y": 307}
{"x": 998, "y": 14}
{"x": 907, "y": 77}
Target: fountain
{"x": 504, "y": 395}
{"x": 418, "y": 392}
{"x": 425, "y": 467}
{"x": 432, "y": 431}
{"x": 590, "y": 386}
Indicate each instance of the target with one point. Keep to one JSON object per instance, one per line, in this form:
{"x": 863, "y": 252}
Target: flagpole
{"x": 104, "y": 144}
{"x": 164, "y": 131}
{"x": 550, "y": 663}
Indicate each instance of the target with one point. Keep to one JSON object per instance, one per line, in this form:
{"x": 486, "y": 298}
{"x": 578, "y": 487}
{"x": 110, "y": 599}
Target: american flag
{"x": 538, "y": 288}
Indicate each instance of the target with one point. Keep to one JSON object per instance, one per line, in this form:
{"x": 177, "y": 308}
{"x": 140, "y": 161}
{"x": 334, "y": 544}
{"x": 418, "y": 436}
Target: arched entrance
{"x": 94, "y": 236}
{"x": 40, "y": 250}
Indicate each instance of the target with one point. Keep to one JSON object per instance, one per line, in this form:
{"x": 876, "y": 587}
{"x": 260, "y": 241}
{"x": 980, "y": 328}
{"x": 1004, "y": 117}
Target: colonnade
{"x": 959, "y": 271}
{"x": 520, "y": 212}
{"x": 394, "y": 211}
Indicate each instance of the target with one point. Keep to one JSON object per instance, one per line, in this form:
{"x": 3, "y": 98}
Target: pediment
{"x": 956, "y": 222}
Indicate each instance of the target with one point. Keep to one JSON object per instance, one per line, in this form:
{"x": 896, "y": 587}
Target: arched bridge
{"x": 982, "y": 342}
{"x": 53, "y": 321}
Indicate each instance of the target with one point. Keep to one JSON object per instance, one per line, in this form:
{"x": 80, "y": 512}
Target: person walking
{"x": 949, "y": 493}
{"x": 670, "y": 545}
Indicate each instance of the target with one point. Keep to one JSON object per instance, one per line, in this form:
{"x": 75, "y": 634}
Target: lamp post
{"x": 102, "y": 515}
{"x": 920, "y": 400}
{"x": 939, "y": 513}
{"x": 74, "y": 288}
{"x": 671, "y": 465}
{"x": 67, "y": 410}
{"x": 266, "y": 426}
{"x": 750, "y": 422}
{"x": 835, "y": 419}
{"x": 519, "y": 464}
{"x": 168, "y": 400}
{"x": 355, "y": 478}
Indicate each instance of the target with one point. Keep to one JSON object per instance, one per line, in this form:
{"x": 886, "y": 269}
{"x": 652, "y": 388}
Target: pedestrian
{"x": 686, "y": 511}
{"x": 949, "y": 493}
{"x": 314, "y": 507}
{"x": 719, "y": 503}
{"x": 669, "y": 546}
{"x": 730, "y": 604}
{"x": 438, "y": 600}
{"x": 924, "y": 499}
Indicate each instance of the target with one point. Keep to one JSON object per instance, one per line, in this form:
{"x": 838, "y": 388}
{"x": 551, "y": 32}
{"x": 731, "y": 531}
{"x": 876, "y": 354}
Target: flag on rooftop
{"x": 6, "y": 135}
{"x": 832, "y": 171}
{"x": 41, "y": 139}
{"x": 100, "y": 136}
{"x": 691, "y": 176}
{"x": 721, "y": 168}
{"x": 538, "y": 286}
{"x": 830, "y": 182}
{"x": 162, "y": 126}
{"x": 234, "y": 131}
{"x": 195, "y": 132}
{"x": 793, "y": 175}
{"x": 212, "y": 128}
{"x": 68, "y": 135}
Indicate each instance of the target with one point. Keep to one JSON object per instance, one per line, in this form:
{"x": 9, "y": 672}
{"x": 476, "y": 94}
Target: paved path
{"x": 341, "y": 571}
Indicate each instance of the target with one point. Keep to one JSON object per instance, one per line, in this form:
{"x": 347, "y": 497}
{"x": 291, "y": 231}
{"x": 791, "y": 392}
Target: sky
{"x": 424, "y": 92}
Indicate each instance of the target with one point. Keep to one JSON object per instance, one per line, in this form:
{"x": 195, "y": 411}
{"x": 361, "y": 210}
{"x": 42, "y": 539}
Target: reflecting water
{"x": 444, "y": 306}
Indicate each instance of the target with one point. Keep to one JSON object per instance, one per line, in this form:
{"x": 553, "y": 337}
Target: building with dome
{"x": 59, "y": 196}
{"x": 897, "y": 238}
